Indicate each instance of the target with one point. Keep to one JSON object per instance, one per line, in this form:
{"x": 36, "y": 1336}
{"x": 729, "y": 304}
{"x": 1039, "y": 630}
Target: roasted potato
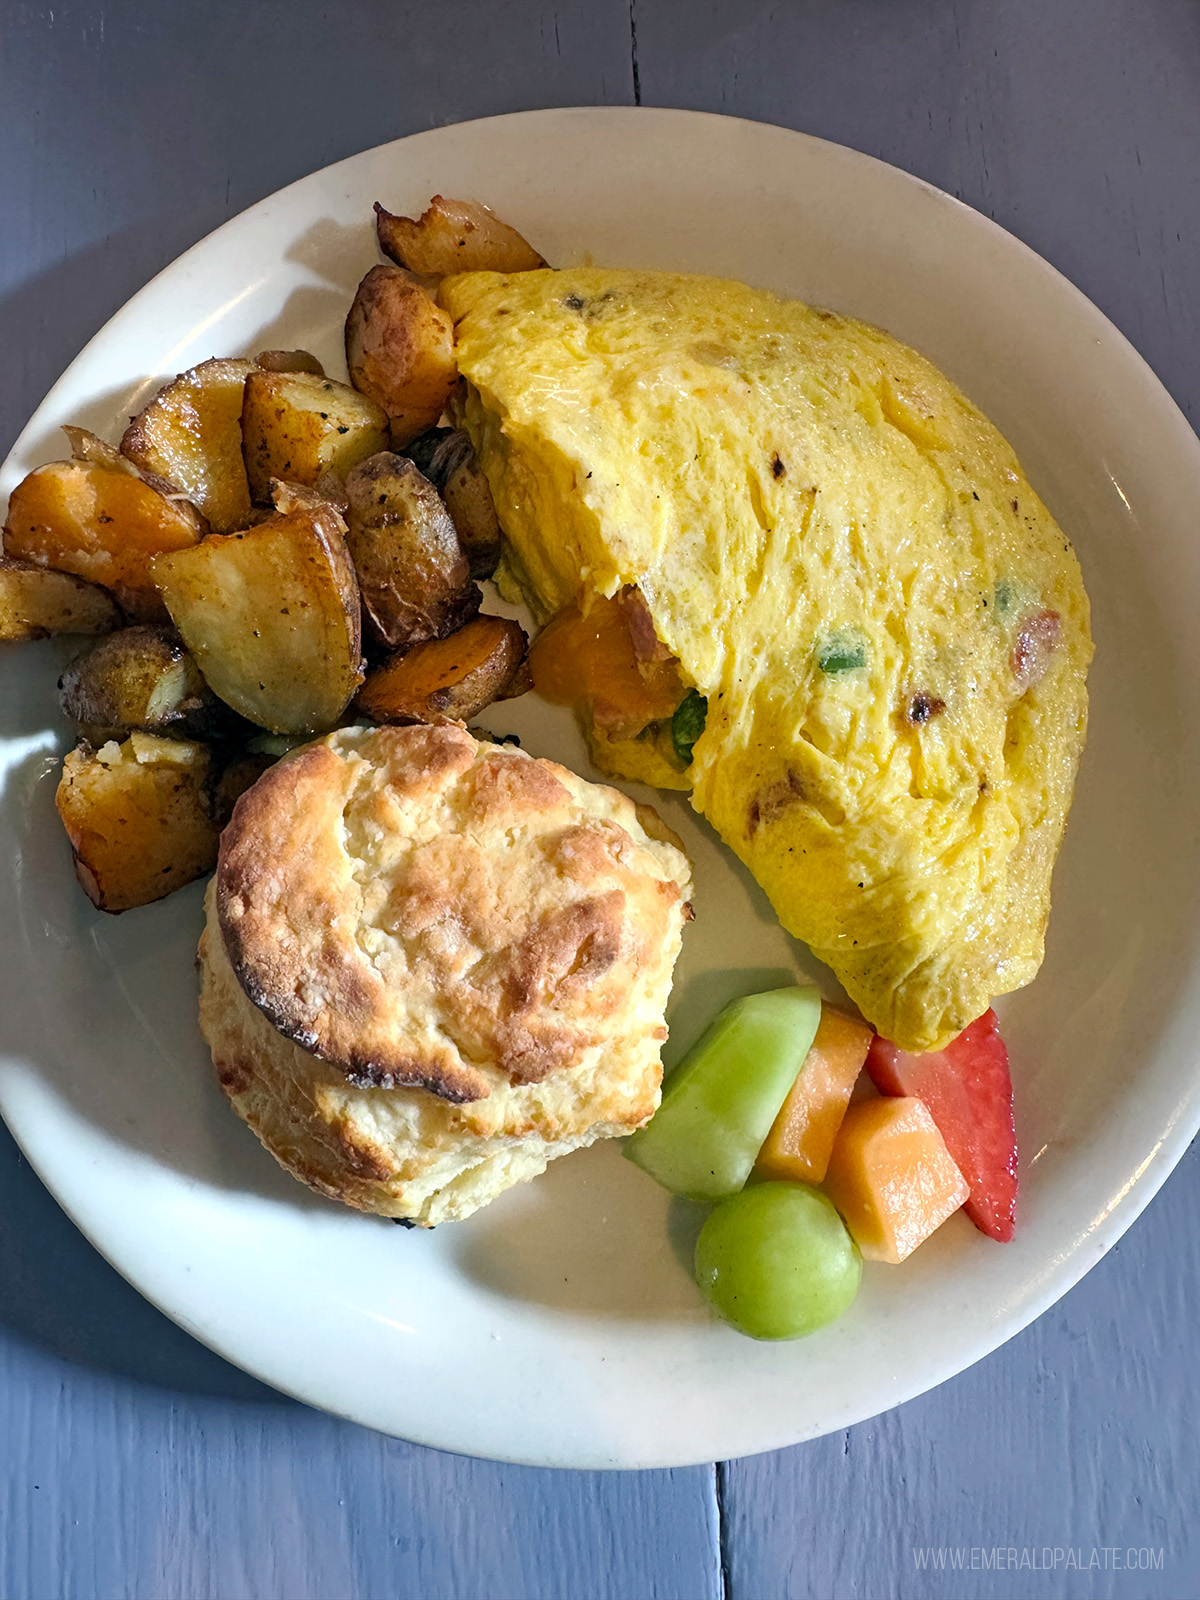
{"x": 298, "y": 427}
{"x": 35, "y": 602}
{"x": 412, "y": 573}
{"x": 424, "y": 447}
{"x": 142, "y": 678}
{"x": 101, "y": 522}
{"x": 455, "y": 470}
{"x": 137, "y": 816}
{"x": 191, "y": 435}
{"x": 287, "y": 497}
{"x": 447, "y": 680}
{"x": 272, "y": 617}
{"x": 454, "y": 236}
{"x": 289, "y": 361}
{"x": 330, "y": 488}
{"x": 400, "y": 351}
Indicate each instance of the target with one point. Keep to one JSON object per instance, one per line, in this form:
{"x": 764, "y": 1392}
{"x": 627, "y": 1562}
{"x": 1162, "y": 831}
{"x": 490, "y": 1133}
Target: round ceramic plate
{"x": 560, "y": 1326}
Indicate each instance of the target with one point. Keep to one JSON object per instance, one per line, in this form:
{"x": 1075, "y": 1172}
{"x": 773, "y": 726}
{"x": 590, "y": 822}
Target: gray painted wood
{"x": 1079, "y": 1437}
{"x": 135, "y": 1463}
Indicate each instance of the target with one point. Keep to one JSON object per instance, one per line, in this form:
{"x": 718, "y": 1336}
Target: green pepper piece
{"x": 688, "y": 724}
{"x": 842, "y": 652}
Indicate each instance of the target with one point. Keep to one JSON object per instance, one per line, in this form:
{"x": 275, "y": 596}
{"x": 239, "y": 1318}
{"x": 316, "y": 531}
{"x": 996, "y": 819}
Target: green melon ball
{"x": 776, "y": 1261}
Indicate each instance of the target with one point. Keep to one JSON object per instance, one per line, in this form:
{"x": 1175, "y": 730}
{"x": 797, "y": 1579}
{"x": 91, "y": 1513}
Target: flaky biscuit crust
{"x": 492, "y": 941}
{"x": 422, "y": 910}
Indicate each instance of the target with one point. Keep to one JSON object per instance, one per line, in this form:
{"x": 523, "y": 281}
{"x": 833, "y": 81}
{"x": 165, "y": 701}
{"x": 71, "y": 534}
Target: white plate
{"x": 560, "y": 1326}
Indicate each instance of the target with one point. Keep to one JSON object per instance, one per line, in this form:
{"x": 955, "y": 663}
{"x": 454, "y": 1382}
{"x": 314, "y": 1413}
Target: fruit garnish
{"x": 776, "y": 1261}
{"x": 892, "y": 1178}
{"x": 968, "y": 1090}
{"x": 801, "y": 1137}
{"x": 719, "y": 1103}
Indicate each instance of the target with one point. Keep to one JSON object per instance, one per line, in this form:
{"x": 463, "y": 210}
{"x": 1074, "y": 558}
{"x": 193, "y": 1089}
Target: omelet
{"x": 834, "y": 556}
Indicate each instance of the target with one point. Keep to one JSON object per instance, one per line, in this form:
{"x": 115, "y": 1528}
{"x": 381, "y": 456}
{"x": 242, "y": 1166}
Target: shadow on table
{"x": 58, "y": 1293}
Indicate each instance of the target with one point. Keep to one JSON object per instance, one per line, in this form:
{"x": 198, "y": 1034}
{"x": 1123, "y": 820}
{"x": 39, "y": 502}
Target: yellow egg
{"x": 844, "y": 555}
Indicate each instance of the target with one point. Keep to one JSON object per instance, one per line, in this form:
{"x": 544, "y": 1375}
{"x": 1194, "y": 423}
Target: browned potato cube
{"x": 272, "y": 618}
{"x": 298, "y": 427}
{"x": 400, "y": 351}
{"x": 460, "y": 480}
{"x": 191, "y": 435}
{"x": 447, "y": 680}
{"x": 412, "y": 573}
{"x": 141, "y": 678}
{"x": 454, "y": 236}
{"x": 101, "y": 523}
{"x": 137, "y": 818}
{"x": 35, "y": 602}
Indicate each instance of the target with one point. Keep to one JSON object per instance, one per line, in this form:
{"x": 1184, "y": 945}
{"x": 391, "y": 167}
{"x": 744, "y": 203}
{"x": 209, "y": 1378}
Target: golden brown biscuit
{"x": 473, "y": 949}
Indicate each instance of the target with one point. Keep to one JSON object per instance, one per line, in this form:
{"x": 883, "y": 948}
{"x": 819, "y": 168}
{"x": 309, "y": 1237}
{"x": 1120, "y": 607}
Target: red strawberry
{"x": 968, "y": 1092}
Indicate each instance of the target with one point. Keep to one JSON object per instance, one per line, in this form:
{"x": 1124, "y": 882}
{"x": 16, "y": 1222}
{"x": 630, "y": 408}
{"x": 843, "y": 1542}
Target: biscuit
{"x": 430, "y": 965}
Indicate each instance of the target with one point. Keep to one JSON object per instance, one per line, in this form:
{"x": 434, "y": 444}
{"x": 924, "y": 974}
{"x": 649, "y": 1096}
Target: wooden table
{"x": 135, "y": 1463}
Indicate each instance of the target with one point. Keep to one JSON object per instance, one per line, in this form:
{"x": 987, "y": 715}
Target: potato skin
{"x": 454, "y": 468}
{"x": 447, "y": 680}
{"x": 191, "y": 435}
{"x": 141, "y": 678}
{"x": 289, "y": 361}
{"x": 99, "y": 523}
{"x": 272, "y": 617}
{"x": 137, "y": 818}
{"x": 298, "y": 427}
{"x": 400, "y": 351}
{"x": 454, "y": 236}
{"x": 412, "y": 573}
{"x": 36, "y": 602}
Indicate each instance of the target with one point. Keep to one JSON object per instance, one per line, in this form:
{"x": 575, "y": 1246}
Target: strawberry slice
{"x": 968, "y": 1092}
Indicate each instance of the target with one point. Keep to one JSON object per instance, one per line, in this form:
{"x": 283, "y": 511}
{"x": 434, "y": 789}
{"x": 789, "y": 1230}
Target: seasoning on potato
{"x": 36, "y": 602}
{"x": 191, "y": 435}
{"x": 412, "y": 573}
{"x": 100, "y": 522}
{"x": 272, "y": 617}
{"x": 141, "y": 678}
{"x": 298, "y": 427}
{"x": 400, "y": 351}
{"x": 448, "y": 680}
{"x": 454, "y": 468}
{"x": 453, "y": 236}
{"x": 137, "y": 818}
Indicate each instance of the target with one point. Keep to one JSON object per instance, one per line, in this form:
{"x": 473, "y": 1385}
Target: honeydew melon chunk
{"x": 721, "y": 1100}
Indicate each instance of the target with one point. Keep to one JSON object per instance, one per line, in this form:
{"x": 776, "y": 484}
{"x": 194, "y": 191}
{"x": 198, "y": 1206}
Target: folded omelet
{"x": 842, "y": 556}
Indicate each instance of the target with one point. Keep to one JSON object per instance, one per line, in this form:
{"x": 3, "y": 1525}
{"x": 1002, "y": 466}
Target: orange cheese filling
{"x": 601, "y": 662}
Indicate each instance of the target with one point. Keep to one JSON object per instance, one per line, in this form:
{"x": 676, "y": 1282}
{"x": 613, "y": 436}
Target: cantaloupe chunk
{"x": 800, "y": 1142}
{"x": 892, "y": 1178}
